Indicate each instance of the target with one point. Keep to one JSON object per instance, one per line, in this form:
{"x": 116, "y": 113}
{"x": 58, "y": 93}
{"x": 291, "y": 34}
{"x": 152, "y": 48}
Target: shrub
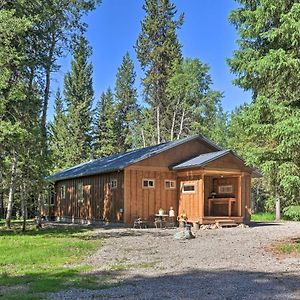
{"x": 292, "y": 213}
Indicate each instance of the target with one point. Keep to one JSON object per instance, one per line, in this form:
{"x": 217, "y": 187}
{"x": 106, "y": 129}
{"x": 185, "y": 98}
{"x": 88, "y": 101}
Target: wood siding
{"x": 177, "y": 154}
{"x": 99, "y": 200}
{"x": 145, "y": 202}
{"x": 191, "y": 202}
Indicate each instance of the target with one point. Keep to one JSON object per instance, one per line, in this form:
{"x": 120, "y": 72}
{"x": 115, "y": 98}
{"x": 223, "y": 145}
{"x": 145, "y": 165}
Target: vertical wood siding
{"x": 145, "y": 202}
{"x": 92, "y": 207}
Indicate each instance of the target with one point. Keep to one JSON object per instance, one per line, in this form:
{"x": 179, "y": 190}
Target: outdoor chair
{"x": 139, "y": 223}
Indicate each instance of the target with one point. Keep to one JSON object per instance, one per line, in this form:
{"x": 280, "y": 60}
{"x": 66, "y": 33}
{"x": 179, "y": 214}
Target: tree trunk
{"x": 174, "y": 120}
{"x": 23, "y": 207}
{"x": 12, "y": 189}
{"x": 39, "y": 212}
{"x": 278, "y": 213}
{"x": 143, "y": 137}
{"x": 158, "y": 123}
{"x": 181, "y": 125}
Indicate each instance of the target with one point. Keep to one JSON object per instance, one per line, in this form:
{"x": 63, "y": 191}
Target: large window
{"x": 148, "y": 183}
{"x": 63, "y": 192}
{"x": 80, "y": 192}
{"x": 225, "y": 189}
{"x": 170, "y": 184}
{"x": 188, "y": 188}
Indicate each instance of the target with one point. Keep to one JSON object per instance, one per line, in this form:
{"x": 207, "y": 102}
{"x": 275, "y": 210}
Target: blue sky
{"x": 206, "y": 34}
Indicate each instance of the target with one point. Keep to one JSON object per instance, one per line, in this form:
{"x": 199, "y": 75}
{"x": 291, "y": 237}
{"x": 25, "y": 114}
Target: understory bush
{"x": 292, "y": 213}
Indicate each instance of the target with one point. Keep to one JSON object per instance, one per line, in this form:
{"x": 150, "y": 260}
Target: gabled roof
{"x": 120, "y": 161}
{"x": 204, "y": 159}
{"x": 201, "y": 160}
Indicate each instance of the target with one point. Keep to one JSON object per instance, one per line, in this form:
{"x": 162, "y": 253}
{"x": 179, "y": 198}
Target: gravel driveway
{"x": 229, "y": 263}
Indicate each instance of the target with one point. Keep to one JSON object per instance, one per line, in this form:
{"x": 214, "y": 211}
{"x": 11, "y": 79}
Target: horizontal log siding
{"x": 92, "y": 207}
{"x": 145, "y": 202}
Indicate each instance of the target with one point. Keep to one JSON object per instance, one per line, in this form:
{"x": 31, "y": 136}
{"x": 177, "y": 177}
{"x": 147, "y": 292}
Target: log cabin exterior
{"x": 193, "y": 175}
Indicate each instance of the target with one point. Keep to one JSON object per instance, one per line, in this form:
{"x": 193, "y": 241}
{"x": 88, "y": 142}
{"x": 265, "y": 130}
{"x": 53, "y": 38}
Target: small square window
{"x": 114, "y": 184}
{"x": 170, "y": 184}
{"x": 63, "y": 192}
{"x": 148, "y": 183}
{"x": 188, "y": 188}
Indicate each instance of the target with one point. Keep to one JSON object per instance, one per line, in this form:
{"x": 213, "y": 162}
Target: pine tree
{"x": 78, "y": 91}
{"x": 105, "y": 126}
{"x": 59, "y": 136}
{"x": 157, "y": 48}
{"x": 267, "y": 63}
{"x": 126, "y": 104}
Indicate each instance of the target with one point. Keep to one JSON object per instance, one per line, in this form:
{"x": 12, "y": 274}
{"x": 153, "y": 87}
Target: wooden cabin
{"x": 193, "y": 175}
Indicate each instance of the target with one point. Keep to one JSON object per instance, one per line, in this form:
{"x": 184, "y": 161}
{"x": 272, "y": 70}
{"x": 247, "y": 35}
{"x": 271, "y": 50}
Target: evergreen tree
{"x": 105, "y": 126}
{"x": 268, "y": 63}
{"x": 78, "y": 91}
{"x": 59, "y": 136}
{"x": 126, "y": 104}
{"x": 194, "y": 106}
{"x": 157, "y": 48}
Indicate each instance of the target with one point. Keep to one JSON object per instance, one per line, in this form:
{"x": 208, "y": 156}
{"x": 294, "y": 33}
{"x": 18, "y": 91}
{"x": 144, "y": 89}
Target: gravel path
{"x": 217, "y": 264}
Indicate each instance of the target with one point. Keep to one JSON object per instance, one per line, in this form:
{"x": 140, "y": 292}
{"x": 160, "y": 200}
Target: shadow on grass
{"x": 193, "y": 284}
{"x": 34, "y": 286}
{"x": 50, "y": 231}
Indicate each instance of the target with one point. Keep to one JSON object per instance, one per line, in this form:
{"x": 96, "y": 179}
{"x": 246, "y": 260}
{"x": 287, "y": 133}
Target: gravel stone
{"x": 228, "y": 263}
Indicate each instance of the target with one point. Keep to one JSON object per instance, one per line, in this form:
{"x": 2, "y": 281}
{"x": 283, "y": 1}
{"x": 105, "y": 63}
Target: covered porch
{"x": 214, "y": 190}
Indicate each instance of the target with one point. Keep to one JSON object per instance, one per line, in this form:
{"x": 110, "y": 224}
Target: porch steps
{"x": 226, "y": 223}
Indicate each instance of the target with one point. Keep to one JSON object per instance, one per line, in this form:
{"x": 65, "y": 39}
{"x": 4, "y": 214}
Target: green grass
{"x": 46, "y": 260}
{"x": 290, "y": 247}
{"x": 262, "y": 217}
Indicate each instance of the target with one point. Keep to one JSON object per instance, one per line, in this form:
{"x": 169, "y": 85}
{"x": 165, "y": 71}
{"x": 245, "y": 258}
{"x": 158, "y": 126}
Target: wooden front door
{"x": 190, "y": 199}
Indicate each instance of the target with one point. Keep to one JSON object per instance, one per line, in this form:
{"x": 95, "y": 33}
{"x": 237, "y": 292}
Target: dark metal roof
{"x": 206, "y": 158}
{"x": 201, "y": 160}
{"x": 120, "y": 161}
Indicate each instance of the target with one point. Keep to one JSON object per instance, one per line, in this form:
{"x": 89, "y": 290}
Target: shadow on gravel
{"x": 264, "y": 224}
{"x": 194, "y": 284}
{"x": 218, "y": 284}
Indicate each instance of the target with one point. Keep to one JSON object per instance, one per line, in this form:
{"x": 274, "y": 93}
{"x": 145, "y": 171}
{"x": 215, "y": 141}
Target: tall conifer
{"x": 78, "y": 91}
{"x": 105, "y": 126}
{"x": 157, "y": 48}
{"x": 126, "y": 104}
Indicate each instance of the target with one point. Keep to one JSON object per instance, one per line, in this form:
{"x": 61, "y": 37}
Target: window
{"x": 225, "y": 189}
{"x": 63, "y": 192}
{"x": 148, "y": 183}
{"x": 170, "y": 184}
{"x": 114, "y": 184}
{"x": 188, "y": 188}
{"x": 80, "y": 192}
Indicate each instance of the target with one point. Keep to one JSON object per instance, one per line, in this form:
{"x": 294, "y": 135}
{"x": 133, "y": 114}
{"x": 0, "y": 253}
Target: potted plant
{"x": 182, "y": 219}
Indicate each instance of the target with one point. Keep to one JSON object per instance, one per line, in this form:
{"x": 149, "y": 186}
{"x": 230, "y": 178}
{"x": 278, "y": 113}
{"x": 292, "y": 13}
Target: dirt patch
{"x": 285, "y": 248}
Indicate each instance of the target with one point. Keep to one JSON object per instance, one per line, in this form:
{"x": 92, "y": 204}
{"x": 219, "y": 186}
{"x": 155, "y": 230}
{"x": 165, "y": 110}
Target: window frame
{"x": 170, "y": 181}
{"x": 80, "y": 192}
{"x": 188, "y": 184}
{"x": 63, "y": 192}
{"x": 112, "y": 186}
{"x": 222, "y": 189}
{"x": 148, "y": 180}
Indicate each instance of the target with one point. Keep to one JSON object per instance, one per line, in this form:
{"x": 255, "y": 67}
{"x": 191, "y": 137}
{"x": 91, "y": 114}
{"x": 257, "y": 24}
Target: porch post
{"x": 239, "y": 202}
{"x": 202, "y": 197}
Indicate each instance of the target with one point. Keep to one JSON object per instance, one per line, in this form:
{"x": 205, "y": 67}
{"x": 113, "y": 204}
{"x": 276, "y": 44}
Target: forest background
{"x": 177, "y": 96}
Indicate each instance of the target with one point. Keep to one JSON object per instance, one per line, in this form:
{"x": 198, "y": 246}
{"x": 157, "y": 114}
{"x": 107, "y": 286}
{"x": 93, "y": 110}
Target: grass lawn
{"x": 262, "y": 217}
{"x": 45, "y": 260}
